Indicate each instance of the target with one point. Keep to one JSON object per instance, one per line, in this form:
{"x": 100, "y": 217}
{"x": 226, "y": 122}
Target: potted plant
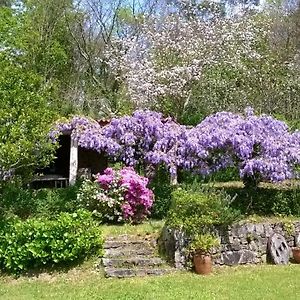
{"x": 201, "y": 247}
{"x": 296, "y": 250}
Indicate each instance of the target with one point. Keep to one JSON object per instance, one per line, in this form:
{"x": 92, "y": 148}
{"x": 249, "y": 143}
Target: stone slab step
{"x": 128, "y": 237}
{"x": 124, "y": 272}
{"x": 129, "y": 243}
{"x": 129, "y": 252}
{"x": 133, "y": 262}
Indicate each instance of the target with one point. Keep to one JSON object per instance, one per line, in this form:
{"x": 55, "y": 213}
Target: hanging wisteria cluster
{"x": 144, "y": 137}
{"x": 261, "y": 147}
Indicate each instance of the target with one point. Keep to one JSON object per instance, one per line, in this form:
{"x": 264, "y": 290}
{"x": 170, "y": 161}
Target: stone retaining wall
{"x": 239, "y": 243}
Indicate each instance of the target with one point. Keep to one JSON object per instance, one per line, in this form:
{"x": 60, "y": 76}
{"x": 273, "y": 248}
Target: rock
{"x": 236, "y": 245}
{"x": 278, "y": 228}
{"x": 297, "y": 240}
{"x": 268, "y": 230}
{"x": 239, "y": 230}
{"x": 253, "y": 246}
{"x": 247, "y": 257}
{"x": 239, "y": 244}
{"x": 129, "y": 251}
{"x": 238, "y": 257}
{"x": 264, "y": 258}
{"x": 231, "y": 258}
{"x": 259, "y": 229}
{"x": 250, "y": 227}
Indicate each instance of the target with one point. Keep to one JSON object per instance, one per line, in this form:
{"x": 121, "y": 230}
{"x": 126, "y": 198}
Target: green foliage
{"x": 46, "y": 39}
{"x": 203, "y": 243}
{"x": 196, "y": 211}
{"x": 288, "y": 227}
{"x": 266, "y": 201}
{"x": 87, "y": 197}
{"x": 40, "y": 242}
{"x": 50, "y": 202}
{"x": 224, "y": 175}
{"x": 23, "y": 202}
{"x": 15, "y": 200}
{"x": 162, "y": 189}
{"x": 25, "y": 120}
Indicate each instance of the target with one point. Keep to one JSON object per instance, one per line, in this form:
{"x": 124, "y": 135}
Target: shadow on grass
{"x": 51, "y": 269}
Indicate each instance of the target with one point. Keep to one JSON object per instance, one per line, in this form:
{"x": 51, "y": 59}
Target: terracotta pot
{"x": 202, "y": 263}
{"x": 296, "y": 254}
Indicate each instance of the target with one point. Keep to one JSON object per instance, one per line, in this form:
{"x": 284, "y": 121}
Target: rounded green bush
{"x": 39, "y": 242}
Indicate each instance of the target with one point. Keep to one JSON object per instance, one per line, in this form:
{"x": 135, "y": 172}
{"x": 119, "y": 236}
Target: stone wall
{"x": 239, "y": 243}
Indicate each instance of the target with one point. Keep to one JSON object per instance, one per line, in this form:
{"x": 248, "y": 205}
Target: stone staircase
{"x": 130, "y": 255}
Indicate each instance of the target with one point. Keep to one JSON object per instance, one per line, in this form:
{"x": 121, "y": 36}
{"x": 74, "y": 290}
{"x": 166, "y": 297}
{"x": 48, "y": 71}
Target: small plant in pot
{"x": 296, "y": 250}
{"x": 201, "y": 247}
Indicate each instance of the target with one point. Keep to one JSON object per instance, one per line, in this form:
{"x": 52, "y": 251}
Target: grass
{"x": 270, "y": 219}
{"x": 248, "y": 282}
{"x": 148, "y": 227}
{"x": 285, "y": 185}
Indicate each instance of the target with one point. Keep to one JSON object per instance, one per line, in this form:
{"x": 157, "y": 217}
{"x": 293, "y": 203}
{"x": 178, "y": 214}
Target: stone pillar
{"x": 73, "y": 162}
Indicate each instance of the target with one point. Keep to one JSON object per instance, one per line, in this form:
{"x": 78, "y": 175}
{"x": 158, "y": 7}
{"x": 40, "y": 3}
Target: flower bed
{"x": 118, "y": 196}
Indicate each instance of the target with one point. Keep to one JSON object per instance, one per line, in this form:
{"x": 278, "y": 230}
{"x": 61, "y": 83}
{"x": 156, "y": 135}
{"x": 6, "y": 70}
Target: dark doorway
{"x": 57, "y": 174}
{"x": 92, "y": 160}
{"x": 62, "y": 161}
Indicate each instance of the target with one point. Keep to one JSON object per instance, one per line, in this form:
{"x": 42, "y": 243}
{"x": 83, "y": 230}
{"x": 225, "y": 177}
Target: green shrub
{"x": 23, "y": 202}
{"x": 224, "y": 175}
{"x": 50, "y": 202}
{"x": 203, "y": 243}
{"x": 162, "y": 190}
{"x": 40, "y": 242}
{"x": 200, "y": 211}
{"x": 87, "y": 197}
{"x": 16, "y": 200}
{"x": 266, "y": 201}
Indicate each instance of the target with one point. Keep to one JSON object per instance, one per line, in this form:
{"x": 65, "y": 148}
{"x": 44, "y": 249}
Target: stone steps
{"x": 122, "y": 244}
{"x": 129, "y": 256}
{"x": 127, "y": 272}
{"x": 132, "y": 261}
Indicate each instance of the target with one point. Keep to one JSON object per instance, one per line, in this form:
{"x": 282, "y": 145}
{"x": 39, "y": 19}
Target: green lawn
{"x": 152, "y": 227}
{"x": 255, "y": 282}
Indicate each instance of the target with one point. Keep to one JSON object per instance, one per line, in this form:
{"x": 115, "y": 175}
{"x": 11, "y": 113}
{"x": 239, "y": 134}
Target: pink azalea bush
{"x": 118, "y": 196}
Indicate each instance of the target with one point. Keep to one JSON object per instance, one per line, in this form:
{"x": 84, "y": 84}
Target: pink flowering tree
{"x": 118, "y": 196}
{"x": 189, "y": 66}
{"x": 167, "y": 65}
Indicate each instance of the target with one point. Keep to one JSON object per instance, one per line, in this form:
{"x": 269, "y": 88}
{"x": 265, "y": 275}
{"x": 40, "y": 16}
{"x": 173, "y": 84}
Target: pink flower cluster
{"x": 137, "y": 198}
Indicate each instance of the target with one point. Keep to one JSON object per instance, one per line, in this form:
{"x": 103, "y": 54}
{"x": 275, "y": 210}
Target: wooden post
{"x": 173, "y": 179}
{"x": 73, "y": 162}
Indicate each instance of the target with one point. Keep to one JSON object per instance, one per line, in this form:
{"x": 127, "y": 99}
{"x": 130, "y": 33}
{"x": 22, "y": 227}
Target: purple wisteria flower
{"x": 261, "y": 147}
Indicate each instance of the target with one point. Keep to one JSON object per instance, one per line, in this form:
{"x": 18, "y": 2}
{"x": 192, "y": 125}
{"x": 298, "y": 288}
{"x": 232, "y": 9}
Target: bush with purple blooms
{"x": 117, "y": 196}
{"x": 260, "y": 147}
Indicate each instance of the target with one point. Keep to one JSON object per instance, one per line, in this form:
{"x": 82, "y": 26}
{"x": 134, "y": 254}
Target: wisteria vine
{"x": 261, "y": 147}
